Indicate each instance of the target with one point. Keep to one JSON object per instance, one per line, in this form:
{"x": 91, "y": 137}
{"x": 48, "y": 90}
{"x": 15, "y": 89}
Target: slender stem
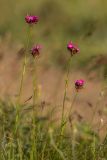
{"x": 22, "y": 80}
{"x": 34, "y": 113}
{"x": 65, "y": 91}
{"x": 35, "y": 90}
{"x": 72, "y": 126}
{"x": 20, "y": 149}
{"x": 72, "y": 103}
{"x": 24, "y": 66}
{"x": 34, "y": 83}
{"x": 55, "y": 146}
{"x": 94, "y": 113}
{"x": 73, "y": 144}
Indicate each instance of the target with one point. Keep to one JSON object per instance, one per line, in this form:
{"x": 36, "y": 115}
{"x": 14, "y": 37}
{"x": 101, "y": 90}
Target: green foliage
{"x": 82, "y": 143}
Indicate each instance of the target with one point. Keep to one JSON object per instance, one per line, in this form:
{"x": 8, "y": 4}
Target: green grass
{"x": 80, "y": 141}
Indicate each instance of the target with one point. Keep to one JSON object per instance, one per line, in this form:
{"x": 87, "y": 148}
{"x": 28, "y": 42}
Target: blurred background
{"x": 82, "y": 21}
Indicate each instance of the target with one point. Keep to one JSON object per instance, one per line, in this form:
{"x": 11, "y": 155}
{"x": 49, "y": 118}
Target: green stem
{"x": 24, "y": 66}
{"x": 55, "y": 146}
{"x": 73, "y": 143}
{"x": 21, "y": 85}
{"x": 34, "y": 113}
{"x": 74, "y": 99}
{"x": 94, "y": 113}
{"x": 65, "y": 91}
{"x": 34, "y": 84}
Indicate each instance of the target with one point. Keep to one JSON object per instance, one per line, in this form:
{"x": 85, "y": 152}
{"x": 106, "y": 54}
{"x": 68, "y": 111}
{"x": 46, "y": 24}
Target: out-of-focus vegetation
{"x": 84, "y": 22}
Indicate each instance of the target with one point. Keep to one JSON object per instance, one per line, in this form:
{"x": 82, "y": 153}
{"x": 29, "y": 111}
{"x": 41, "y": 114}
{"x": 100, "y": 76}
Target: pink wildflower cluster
{"x": 31, "y": 19}
{"x": 79, "y": 84}
{"x": 72, "y": 48}
{"x": 35, "y": 51}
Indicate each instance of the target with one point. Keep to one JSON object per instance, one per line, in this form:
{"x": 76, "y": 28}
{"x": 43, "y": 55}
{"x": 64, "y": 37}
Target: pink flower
{"x": 72, "y": 48}
{"x": 35, "y": 51}
{"x": 79, "y": 84}
{"x": 31, "y": 19}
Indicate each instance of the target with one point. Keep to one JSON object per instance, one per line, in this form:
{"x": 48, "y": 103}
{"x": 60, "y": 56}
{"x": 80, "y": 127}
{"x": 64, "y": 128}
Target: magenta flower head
{"x": 79, "y": 84}
{"x": 72, "y": 48}
{"x": 35, "y": 51}
{"x": 31, "y": 19}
